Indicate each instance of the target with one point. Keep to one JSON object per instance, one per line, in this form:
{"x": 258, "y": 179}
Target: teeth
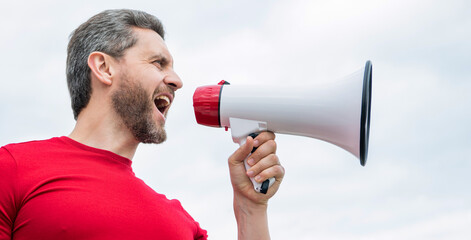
{"x": 164, "y": 103}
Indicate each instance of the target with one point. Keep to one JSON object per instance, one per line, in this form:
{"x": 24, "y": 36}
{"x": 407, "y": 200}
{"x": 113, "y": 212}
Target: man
{"x": 81, "y": 186}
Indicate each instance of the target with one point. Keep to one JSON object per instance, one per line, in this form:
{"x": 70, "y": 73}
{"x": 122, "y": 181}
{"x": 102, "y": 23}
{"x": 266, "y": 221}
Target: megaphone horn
{"x": 338, "y": 113}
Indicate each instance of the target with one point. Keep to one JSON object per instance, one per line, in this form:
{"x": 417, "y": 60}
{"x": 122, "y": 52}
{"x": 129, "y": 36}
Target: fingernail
{"x": 250, "y": 173}
{"x": 255, "y": 143}
{"x": 251, "y": 161}
{"x": 257, "y": 178}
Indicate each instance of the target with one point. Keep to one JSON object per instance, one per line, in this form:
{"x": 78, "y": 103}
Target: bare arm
{"x": 250, "y": 207}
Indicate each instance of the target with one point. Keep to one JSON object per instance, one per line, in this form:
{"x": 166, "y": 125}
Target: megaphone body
{"x": 338, "y": 113}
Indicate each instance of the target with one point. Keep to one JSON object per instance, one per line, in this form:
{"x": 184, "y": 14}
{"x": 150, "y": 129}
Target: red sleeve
{"x": 8, "y": 174}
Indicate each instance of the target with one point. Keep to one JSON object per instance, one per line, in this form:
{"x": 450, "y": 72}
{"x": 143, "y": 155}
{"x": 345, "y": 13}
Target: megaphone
{"x": 338, "y": 113}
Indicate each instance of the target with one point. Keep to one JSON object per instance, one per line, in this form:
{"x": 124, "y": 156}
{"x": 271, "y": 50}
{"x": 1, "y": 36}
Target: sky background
{"x": 415, "y": 184}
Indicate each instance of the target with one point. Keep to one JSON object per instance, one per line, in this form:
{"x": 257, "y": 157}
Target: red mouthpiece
{"x": 206, "y": 104}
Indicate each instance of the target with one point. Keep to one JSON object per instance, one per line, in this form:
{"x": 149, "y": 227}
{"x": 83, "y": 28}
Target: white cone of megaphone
{"x": 338, "y": 113}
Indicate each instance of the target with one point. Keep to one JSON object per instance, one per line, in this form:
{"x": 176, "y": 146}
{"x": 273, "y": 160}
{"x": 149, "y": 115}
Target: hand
{"x": 250, "y": 207}
{"x": 264, "y": 164}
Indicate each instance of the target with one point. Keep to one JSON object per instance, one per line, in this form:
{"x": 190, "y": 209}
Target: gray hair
{"x": 109, "y": 32}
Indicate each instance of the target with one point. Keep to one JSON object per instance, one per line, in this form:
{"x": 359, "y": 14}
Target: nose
{"x": 173, "y": 80}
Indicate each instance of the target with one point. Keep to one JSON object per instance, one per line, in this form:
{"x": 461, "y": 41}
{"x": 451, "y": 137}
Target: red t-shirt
{"x": 61, "y": 189}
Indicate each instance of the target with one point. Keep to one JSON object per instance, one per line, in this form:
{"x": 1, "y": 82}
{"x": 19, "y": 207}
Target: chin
{"x": 156, "y": 136}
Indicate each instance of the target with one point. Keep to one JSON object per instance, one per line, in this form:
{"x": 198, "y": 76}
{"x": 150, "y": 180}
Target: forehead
{"x": 149, "y": 44}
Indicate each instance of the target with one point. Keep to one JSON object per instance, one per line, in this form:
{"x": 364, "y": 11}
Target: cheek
{"x": 151, "y": 77}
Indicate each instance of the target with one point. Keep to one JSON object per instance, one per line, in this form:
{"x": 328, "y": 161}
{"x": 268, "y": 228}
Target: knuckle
{"x": 267, "y": 136}
{"x": 280, "y": 169}
{"x": 270, "y": 135}
{"x": 272, "y": 144}
{"x": 273, "y": 158}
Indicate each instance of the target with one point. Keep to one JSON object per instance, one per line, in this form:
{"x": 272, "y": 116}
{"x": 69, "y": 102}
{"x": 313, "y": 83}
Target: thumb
{"x": 242, "y": 152}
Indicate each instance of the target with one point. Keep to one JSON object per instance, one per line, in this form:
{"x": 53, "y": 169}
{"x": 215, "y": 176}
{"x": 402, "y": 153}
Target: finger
{"x": 263, "y": 137}
{"x": 265, "y": 163}
{"x": 267, "y": 148}
{"x": 242, "y": 152}
{"x": 276, "y": 171}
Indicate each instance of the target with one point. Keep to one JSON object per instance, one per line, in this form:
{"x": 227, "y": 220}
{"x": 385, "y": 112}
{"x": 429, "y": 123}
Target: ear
{"x": 102, "y": 67}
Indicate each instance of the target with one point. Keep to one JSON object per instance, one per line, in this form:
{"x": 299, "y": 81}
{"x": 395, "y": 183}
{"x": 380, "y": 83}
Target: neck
{"x": 101, "y": 131}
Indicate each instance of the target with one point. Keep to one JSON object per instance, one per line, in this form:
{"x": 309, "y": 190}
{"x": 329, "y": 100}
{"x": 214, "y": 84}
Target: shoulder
{"x": 32, "y": 143}
{"x": 30, "y": 148}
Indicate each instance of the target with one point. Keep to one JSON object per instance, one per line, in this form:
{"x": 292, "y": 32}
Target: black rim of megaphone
{"x": 365, "y": 113}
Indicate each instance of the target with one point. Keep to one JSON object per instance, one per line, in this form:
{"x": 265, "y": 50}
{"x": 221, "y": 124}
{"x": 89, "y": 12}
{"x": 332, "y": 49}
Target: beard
{"x": 135, "y": 108}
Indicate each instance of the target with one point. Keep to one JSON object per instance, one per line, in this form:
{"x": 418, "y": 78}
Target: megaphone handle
{"x": 259, "y": 187}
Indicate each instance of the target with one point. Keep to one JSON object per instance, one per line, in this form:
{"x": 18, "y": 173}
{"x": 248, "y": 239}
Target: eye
{"x": 158, "y": 63}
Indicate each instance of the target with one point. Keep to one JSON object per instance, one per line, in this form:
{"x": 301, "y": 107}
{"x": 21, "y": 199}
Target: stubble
{"x": 135, "y": 108}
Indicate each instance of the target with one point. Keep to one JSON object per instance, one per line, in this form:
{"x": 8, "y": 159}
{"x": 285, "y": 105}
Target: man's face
{"x": 146, "y": 87}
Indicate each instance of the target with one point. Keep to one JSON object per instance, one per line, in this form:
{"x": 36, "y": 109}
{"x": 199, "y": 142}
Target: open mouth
{"x": 162, "y": 103}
